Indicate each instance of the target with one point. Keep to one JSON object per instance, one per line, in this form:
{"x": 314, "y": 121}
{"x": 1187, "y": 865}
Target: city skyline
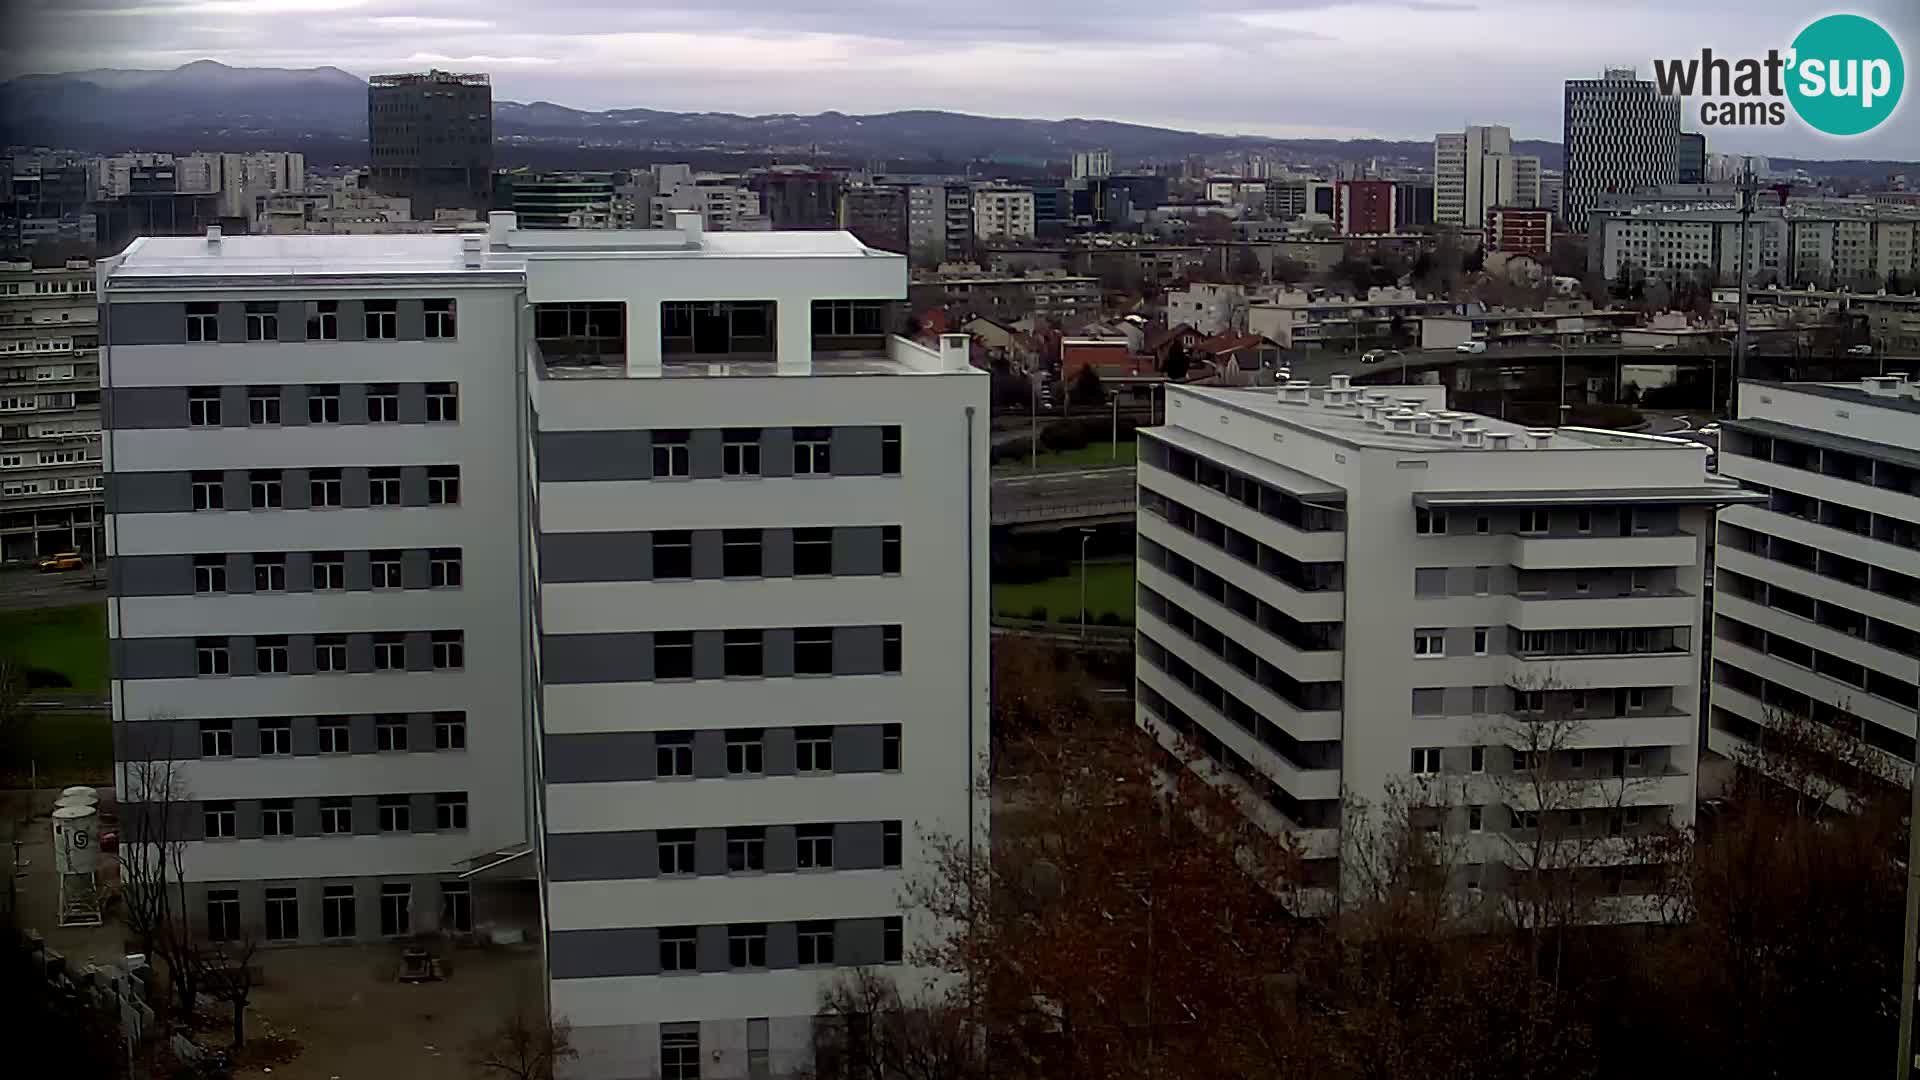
{"x": 1403, "y": 69}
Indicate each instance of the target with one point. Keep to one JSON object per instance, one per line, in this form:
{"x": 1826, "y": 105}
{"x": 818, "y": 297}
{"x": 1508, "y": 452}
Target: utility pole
{"x": 1749, "y": 186}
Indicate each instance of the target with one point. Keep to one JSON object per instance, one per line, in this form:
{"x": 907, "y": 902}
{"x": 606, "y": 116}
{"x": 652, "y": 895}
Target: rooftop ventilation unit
{"x": 1443, "y": 427}
{"x": 1877, "y": 385}
{"x": 1541, "y": 437}
{"x": 1401, "y": 422}
{"x": 472, "y": 252}
{"x": 1296, "y": 392}
{"x": 213, "y": 236}
{"x": 1340, "y": 382}
{"x": 1473, "y": 437}
{"x": 1498, "y": 440}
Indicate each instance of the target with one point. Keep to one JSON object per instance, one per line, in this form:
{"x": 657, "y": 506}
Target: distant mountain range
{"x": 209, "y": 105}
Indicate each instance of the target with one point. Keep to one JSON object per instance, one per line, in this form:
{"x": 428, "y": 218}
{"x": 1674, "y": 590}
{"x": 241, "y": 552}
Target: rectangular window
{"x": 223, "y": 914}
{"x": 1475, "y": 818}
{"x": 679, "y": 1045}
{"x": 209, "y": 491}
{"x": 893, "y": 940}
{"x": 1429, "y": 522}
{"x": 670, "y": 454}
{"x": 383, "y": 403}
{"x": 210, "y": 656}
{"x": 813, "y": 650}
{"x": 816, "y": 944}
{"x": 890, "y": 649}
{"x": 740, "y": 453}
{"x": 747, "y": 946}
{"x": 890, "y": 549}
{"x": 396, "y": 813}
{"x": 675, "y": 847}
{"x": 276, "y": 736}
{"x": 283, "y": 915}
{"x": 443, "y": 403}
{"x": 324, "y": 488}
{"x": 1583, "y": 521}
{"x": 746, "y": 849}
{"x": 203, "y": 406}
{"x": 1636, "y": 698}
{"x": 450, "y": 731}
{"x": 443, "y": 568}
{"x": 384, "y": 569}
{"x": 389, "y": 732}
{"x": 1534, "y": 521}
{"x": 456, "y": 907}
{"x": 263, "y": 489}
{"x": 673, "y": 754}
{"x": 220, "y": 820}
{"x": 329, "y": 571}
{"x": 276, "y": 817}
{"x": 1483, "y": 524}
{"x": 203, "y": 322}
{"x": 1479, "y": 756}
{"x": 673, "y": 654}
{"x": 443, "y": 485}
{"x": 335, "y": 736}
{"x": 323, "y": 320}
{"x": 263, "y": 321}
{"x": 677, "y": 953}
{"x": 1530, "y": 701}
{"x": 209, "y": 574}
{"x": 396, "y": 907}
{"x": 336, "y": 911}
{"x": 336, "y": 816}
{"x": 1426, "y": 760}
{"x": 890, "y": 747}
{"x": 449, "y": 650}
{"x": 269, "y": 572}
{"x": 890, "y": 843}
{"x": 812, "y": 552}
{"x": 383, "y": 487}
{"x": 323, "y": 404}
{"x": 815, "y": 851}
{"x": 740, "y": 552}
{"x": 450, "y": 810}
{"x": 440, "y": 324}
{"x": 1429, "y": 643}
{"x": 812, "y": 451}
{"x": 1480, "y": 635}
{"x": 672, "y": 554}
{"x": 382, "y": 319}
{"x": 216, "y": 738}
{"x": 890, "y": 450}
{"x": 813, "y": 749}
{"x": 746, "y": 751}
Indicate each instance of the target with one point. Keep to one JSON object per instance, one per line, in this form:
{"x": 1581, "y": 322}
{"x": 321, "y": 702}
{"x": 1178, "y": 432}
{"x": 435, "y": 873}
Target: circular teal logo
{"x": 1847, "y": 75}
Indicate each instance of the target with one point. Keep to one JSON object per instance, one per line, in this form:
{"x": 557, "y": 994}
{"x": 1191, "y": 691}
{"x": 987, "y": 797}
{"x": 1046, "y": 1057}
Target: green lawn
{"x": 69, "y": 640}
{"x": 1109, "y": 589}
{"x": 61, "y": 748}
{"x": 1092, "y": 456}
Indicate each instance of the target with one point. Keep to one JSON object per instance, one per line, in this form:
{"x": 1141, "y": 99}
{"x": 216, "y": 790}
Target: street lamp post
{"x": 1562, "y": 346}
{"x": 1033, "y": 429}
{"x": 1086, "y": 534}
{"x": 1116, "y": 426}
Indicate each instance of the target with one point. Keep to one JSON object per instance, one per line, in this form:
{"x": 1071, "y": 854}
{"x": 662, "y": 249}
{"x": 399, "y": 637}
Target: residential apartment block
{"x": 50, "y": 498}
{"x": 1823, "y": 243}
{"x": 1003, "y": 213}
{"x": 1817, "y": 591}
{"x": 624, "y": 588}
{"x": 1342, "y": 591}
{"x": 1476, "y": 170}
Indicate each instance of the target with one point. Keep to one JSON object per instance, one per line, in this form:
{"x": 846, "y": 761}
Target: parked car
{"x": 66, "y": 560}
{"x": 1860, "y": 350}
{"x": 1374, "y": 356}
{"x": 1471, "y": 347}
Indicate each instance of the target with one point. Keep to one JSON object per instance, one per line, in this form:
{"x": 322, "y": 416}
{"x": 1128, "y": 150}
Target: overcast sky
{"x": 1391, "y": 68}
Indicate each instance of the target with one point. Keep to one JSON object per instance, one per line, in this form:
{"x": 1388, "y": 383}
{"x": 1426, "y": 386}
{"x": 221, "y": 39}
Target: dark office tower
{"x": 431, "y": 139}
{"x": 1693, "y": 157}
{"x": 798, "y": 198}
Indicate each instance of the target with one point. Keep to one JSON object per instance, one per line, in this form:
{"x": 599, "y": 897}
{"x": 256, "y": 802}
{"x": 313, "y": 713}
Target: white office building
{"x": 434, "y": 558}
{"x": 1092, "y": 164}
{"x": 1817, "y": 589}
{"x": 1476, "y": 170}
{"x": 1342, "y": 591}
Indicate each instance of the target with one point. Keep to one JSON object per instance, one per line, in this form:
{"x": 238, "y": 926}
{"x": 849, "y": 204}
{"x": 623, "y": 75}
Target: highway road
{"x": 1012, "y": 494}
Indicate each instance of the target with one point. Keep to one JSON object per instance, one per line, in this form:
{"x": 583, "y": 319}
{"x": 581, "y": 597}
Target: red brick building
{"x": 1363, "y": 207}
{"x": 1520, "y": 230}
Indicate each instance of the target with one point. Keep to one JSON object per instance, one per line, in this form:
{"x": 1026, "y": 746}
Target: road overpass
{"x": 1051, "y": 500}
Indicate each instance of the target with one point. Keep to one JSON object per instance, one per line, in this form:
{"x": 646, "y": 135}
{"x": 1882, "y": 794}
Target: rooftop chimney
{"x": 690, "y": 222}
{"x": 1340, "y": 382}
{"x": 472, "y": 252}
{"x": 1881, "y": 385}
{"x": 213, "y": 236}
{"x": 1473, "y": 437}
{"x": 1401, "y": 421}
{"x": 1499, "y": 440}
{"x": 1443, "y": 427}
{"x": 1542, "y": 437}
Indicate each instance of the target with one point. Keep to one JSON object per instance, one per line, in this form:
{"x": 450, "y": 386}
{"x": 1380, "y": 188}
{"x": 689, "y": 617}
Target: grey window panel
{"x": 776, "y": 553}
{"x": 357, "y": 574}
{"x": 355, "y": 491}
{"x": 783, "y": 945}
{"x": 782, "y": 849}
{"x": 240, "y": 572}
{"x": 306, "y": 735}
{"x": 709, "y": 659}
{"x": 306, "y": 813}
{"x": 596, "y": 658}
{"x": 610, "y": 556}
{"x": 1459, "y": 641}
{"x": 424, "y": 817}
{"x": 1499, "y": 699}
{"x": 419, "y": 650}
{"x": 145, "y": 324}
{"x": 711, "y": 948}
{"x": 857, "y": 650}
{"x": 362, "y": 731}
{"x": 858, "y": 941}
{"x": 299, "y": 654}
{"x": 149, "y": 492}
{"x": 777, "y": 652}
{"x": 1430, "y": 581}
{"x": 857, "y": 845}
{"x": 240, "y": 660}
{"x": 856, "y": 451}
{"x": 176, "y": 820}
{"x": 602, "y": 954}
{"x": 1481, "y": 580}
{"x": 293, "y": 320}
{"x": 246, "y": 819}
{"x": 293, "y": 401}
{"x": 598, "y": 757}
{"x": 777, "y": 751}
{"x": 238, "y": 496}
{"x": 246, "y": 736}
{"x": 856, "y": 550}
{"x": 413, "y": 403}
{"x": 1429, "y": 701}
{"x": 420, "y": 733}
{"x": 233, "y": 406}
{"x": 1457, "y": 701}
{"x": 710, "y": 851}
{"x": 602, "y": 856}
{"x": 353, "y": 401}
{"x": 413, "y": 485}
{"x": 151, "y": 575}
{"x": 136, "y": 408}
{"x": 353, "y": 320}
{"x": 295, "y": 494}
{"x": 776, "y": 451}
{"x": 1497, "y": 639}
{"x": 412, "y": 320}
{"x": 155, "y": 740}
{"x": 1456, "y": 581}
{"x": 1503, "y": 578}
{"x": 299, "y": 571}
{"x": 366, "y": 814}
{"x": 153, "y": 658}
{"x": 708, "y": 554}
{"x": 856, "y": 748}
{"x": 709, "y": 754}
{"x": 233, "y": 322}
{"x": 414, "y": 570}
{"x": 359, "y": 658}
{"x": 571, "y": 456}
{"x": 703, "y": 453}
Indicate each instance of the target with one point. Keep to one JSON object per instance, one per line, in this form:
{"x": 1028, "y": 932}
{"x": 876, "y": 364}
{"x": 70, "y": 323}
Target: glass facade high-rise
{"x": 1621, "y": 134}
{"x": 430, "y": 137}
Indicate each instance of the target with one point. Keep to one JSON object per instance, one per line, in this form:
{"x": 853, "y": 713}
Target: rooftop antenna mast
{"x": 1749, "y": 185}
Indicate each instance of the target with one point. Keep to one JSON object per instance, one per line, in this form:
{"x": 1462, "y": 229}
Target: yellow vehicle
{"x": 66, "y": 560}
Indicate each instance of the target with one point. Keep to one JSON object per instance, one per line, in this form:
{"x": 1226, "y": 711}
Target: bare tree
{"x": 1821, "y": 768}
{"x": 865, "y": 1029}
{"x": 526, "y": 1045}
{"x": 153, "y": 885}
{"x": 228, "y": 972}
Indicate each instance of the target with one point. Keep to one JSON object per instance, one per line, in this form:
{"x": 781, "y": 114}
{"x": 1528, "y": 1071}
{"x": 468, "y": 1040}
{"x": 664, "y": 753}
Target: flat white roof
{"x": 282, "y": 256}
